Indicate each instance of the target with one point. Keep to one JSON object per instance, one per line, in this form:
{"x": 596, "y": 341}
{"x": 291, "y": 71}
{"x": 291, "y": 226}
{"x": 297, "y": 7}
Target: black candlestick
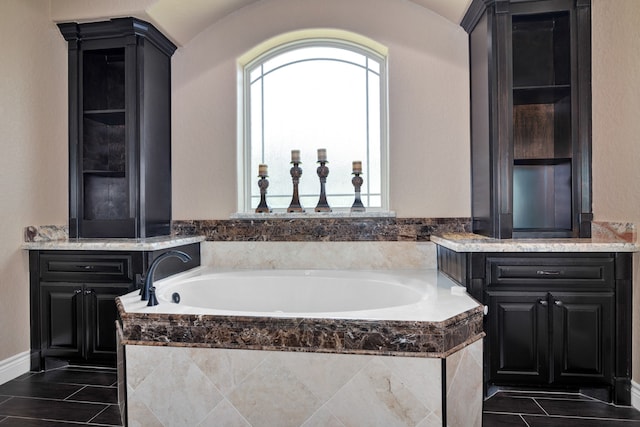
{"x": 296, "y": 173}
{"x": 357, "y": 184}
{"x": 323, "y": 172}
{"x": 263, "y": 184}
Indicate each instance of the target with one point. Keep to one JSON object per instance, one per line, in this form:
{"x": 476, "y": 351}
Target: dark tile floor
{"x": 74, "y": 395}
{"x": 68, "y": 396}
{"x": 538, "y": 409}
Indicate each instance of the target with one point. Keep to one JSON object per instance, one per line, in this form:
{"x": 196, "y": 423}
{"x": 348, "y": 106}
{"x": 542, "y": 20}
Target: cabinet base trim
{"x": 14, "y": 366}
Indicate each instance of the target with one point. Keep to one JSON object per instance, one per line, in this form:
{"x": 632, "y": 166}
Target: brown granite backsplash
{"x": 321, "y": 229}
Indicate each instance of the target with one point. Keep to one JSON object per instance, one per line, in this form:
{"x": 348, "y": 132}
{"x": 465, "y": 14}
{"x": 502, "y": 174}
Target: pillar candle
{"x": 295, "y": 156}
{"x": 322, "y": 154}
{"x": 357, "y": 166}
{"x": 262, "y": 170}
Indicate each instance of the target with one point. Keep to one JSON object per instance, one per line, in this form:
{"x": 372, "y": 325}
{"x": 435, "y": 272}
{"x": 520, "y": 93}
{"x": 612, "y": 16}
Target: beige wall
{"x": 616, "y": 125}
{"x": 33, "y": 138}
{"x": 429, "y": 119}
{"x": 428, "y": 97}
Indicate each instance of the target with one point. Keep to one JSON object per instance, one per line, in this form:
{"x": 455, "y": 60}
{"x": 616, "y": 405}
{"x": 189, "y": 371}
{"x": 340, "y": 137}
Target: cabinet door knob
{"x": 88, "y": 291}
{"x": 77, "y": 291}
{"x": 558, "y": 303}
{"x": 543, "y": 302}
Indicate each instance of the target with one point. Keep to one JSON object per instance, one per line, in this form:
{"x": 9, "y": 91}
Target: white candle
{"x": 262, "y": 170}
{"x": 295, "y": 156}
{"x": 357, "y": 166}
{"x": 322, "y": 154}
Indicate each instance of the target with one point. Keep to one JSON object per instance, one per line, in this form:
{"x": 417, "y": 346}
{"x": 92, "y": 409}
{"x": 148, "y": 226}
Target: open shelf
{"x": 105, "y": 197}
{"x": 107, "y": 117}
{"x": 541, "y": 49}
{"x": 103, "y": 81}
{"x": 524, "y": 95}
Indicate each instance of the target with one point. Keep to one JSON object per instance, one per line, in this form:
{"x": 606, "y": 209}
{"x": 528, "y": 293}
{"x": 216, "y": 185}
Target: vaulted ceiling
{"x": 182, "y": 20}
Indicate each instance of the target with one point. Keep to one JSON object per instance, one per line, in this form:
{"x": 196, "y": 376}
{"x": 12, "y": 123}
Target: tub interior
{"x": 293, "y": 292}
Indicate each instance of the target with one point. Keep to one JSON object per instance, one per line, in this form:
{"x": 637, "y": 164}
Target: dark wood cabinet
{"x": 73, "y": 310}
{"x": 554, "y": 320}
{"x": 119, "y": 129}
{"x": 530, "y": 65}
{"x": 518, "y": 336}
{"x": 78, "y": 320}
{"x": 557, "y": 338}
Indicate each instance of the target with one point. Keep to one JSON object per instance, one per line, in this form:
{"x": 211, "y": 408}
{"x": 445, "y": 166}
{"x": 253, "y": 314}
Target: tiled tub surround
{"x": 308, "y": 371}
{"x": 321, "y": 229}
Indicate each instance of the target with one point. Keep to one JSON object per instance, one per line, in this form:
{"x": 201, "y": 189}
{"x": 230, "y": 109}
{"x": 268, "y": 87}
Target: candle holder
{"x": 263, "y": 184}
{"x": 296, "y": 173}
{"x": 323, "y": 172}
{"x": 357, "y": 184}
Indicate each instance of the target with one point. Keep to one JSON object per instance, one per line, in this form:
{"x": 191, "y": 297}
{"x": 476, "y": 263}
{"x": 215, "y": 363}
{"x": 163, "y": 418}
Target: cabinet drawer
{"x": 584, "y": 272}
{"x": 85, "y": 268}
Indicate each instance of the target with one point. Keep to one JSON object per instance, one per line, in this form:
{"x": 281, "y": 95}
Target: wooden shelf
{"x": 549, "y": 94}
{"x": 107, "y": 117}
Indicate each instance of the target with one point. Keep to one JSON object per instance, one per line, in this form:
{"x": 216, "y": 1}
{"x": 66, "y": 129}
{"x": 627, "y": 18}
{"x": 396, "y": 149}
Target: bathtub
{"x": 303, "y": 347}
{"x": 420, "y": 295}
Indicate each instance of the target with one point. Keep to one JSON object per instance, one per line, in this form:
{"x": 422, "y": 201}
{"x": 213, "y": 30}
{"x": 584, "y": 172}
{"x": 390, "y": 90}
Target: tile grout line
{"x": 525, "y": 421}
{"x": 74, "y": 393}
{"x": 540, "y": 406}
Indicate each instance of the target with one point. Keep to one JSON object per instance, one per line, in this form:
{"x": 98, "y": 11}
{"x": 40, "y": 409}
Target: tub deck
{"x": 447, "y": 322}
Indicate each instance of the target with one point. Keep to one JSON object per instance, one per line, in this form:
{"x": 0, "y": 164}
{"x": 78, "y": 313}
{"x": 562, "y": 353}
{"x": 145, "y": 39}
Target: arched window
{"x": 312, "y": 94}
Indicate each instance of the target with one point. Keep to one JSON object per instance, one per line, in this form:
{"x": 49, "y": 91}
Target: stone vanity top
{"x": 147, "y": 244}
{"x": 400, "y": 336}
{"x": 468, "y": 242}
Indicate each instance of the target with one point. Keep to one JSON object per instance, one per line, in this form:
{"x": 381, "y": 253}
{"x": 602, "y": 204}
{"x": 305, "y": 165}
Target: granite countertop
{"x": 600, "y": 242}
{"x": 147, "y": 244}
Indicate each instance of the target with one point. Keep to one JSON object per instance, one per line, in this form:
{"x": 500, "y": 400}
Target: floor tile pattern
{"x": 68, "y": 396}
{"x": 539, "y": 409}
{"x": 76, "y": 396}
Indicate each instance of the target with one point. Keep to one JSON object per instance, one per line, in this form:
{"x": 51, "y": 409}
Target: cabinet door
{"x": 61, "y": 320}
{"x": 518, "y": 334}
{"x": 582, "y": 337}
{"x": 101, "y": 317}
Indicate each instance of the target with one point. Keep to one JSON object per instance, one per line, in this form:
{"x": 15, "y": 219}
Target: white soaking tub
{"x": 302, "y": 348}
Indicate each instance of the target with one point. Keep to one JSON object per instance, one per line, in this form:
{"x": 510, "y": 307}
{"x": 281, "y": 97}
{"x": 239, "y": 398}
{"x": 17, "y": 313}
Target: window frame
{"x": 269, "y": 50}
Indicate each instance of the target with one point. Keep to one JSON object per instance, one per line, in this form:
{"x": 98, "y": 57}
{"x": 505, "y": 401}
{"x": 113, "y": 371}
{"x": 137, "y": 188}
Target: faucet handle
{"x": 139, "y": 283}
{"x": 152, "y": 297}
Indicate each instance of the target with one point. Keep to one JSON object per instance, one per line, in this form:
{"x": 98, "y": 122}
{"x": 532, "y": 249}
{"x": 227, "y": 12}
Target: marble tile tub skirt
{"x": 267, "y": 388}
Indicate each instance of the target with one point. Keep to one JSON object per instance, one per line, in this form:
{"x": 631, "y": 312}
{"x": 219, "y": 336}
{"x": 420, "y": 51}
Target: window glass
{"x": 311, "y": 95}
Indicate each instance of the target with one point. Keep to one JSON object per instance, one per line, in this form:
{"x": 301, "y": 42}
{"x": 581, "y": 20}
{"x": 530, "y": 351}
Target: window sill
{"x": 310, "y": 213}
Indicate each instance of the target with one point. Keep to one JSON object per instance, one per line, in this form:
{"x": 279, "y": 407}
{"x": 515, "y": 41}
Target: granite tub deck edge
{"x": 372, "y": 337}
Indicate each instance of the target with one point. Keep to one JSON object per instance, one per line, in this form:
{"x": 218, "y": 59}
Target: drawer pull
{"x": 548, "y": 272}
{"x": 86, "y": 267}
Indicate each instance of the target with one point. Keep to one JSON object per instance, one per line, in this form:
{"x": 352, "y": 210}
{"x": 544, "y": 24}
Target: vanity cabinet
{"x": 73, "y": 310}
{"x": 119, "y": 129}
{"x": 559, "y": 338}
{"x": 553, "y": 320}
{"x": 530, "y": 76}
{"x": 78, "y": 320}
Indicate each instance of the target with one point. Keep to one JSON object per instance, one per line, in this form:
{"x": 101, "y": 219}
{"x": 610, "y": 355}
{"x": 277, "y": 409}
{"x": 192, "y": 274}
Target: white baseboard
{"x": 15, "y": 366}
{"x": 635, "y": 395}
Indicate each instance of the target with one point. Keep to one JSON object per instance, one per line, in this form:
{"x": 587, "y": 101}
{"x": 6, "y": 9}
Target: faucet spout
{"x": 148, "y": 280}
